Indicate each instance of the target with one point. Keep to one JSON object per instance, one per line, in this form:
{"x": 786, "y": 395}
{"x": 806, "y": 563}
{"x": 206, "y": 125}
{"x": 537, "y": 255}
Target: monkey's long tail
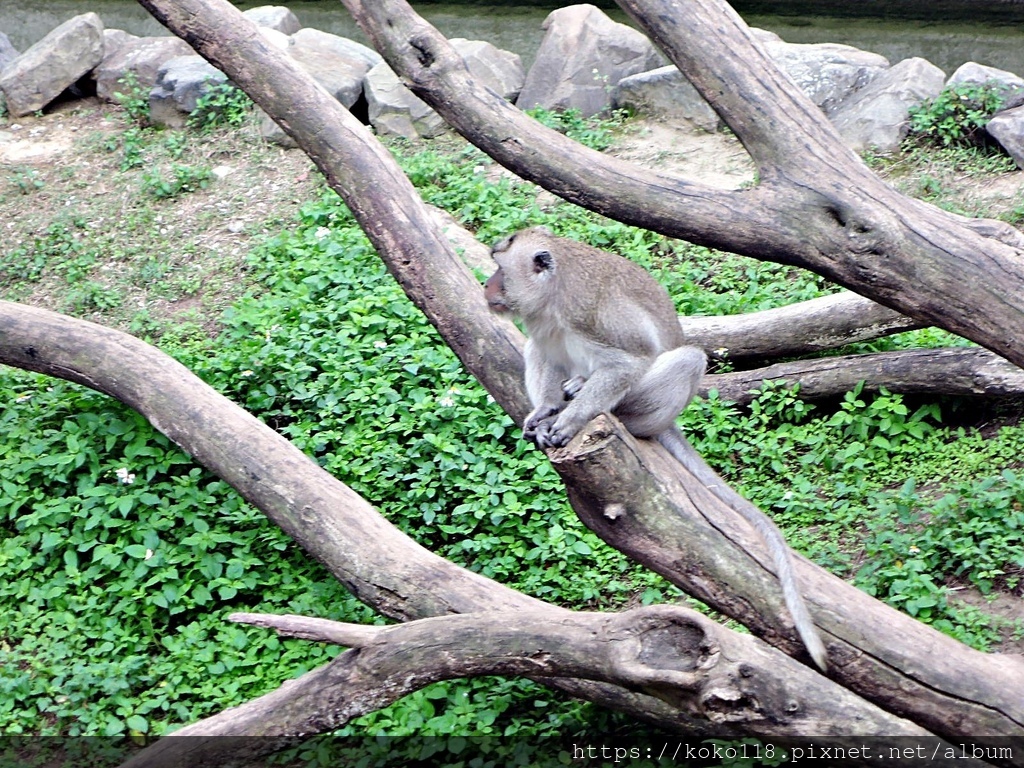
{"x": 676, "y": 444}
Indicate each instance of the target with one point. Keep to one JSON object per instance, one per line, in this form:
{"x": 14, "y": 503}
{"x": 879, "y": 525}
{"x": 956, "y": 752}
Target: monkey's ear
{"x": 542, "y": 262}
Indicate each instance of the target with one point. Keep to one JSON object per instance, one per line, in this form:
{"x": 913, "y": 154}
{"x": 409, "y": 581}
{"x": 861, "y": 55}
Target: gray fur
{"x": 604, "y": 337}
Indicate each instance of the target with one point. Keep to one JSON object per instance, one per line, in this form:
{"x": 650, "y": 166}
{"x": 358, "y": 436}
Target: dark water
{"x": 944, "y": 32}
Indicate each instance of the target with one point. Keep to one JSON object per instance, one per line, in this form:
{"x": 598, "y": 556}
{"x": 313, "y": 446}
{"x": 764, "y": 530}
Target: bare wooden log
{"x": 668, "y": 652}
{"x": 955, "y": 371}
{"x": 803, "y": 328}
{"x": 816, "y": 206}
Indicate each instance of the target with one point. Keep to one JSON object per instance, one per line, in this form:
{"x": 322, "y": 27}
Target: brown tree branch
{"x": 955, "y": 371}
{"x": 816, "y": 206}
{"x": 645, "y": 504}
{"x": 806, "y": 327}
{"x": 667, "y": 652}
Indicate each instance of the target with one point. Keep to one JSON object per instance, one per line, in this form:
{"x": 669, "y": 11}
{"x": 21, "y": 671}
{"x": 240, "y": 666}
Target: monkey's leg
{"x": 653, "y": 403}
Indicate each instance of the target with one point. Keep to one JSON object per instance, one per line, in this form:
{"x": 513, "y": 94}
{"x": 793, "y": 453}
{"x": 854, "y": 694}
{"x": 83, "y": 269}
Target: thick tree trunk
{"x": 669, "y": 652}
{"x": 816, "y": 206}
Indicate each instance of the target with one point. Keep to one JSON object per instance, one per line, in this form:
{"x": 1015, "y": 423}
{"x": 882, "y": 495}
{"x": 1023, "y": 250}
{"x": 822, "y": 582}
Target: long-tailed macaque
{"x": 604, "y": 337}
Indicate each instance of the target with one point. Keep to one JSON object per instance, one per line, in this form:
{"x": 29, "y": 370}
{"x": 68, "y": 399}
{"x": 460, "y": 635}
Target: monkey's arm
{"x": 616, "y": 371}
{"x": 544, "y": 387}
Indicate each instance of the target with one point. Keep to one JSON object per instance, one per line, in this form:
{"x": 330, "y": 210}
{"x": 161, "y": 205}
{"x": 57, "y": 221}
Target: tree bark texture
{"x": 668, "y": 652}
{"x": 803, "y": 328}
{"x": 816, "y": 205}
{"x": 955, "y": 371}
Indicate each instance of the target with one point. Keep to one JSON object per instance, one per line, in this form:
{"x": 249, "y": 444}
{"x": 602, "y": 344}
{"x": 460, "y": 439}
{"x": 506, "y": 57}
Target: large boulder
{"x": 666, "y": 94}
{"x": 180, "y": 82}
{"x": 8, "y": 52}
{"x": 141, "y": 57}
{"x": 826, "y": 72}
{"x": 501, "y": 71}
{"x": 338, "y": 64}
{"x": 583, "y": 56}
{"x": 275, "y": 17}
{"x": 878, "y": 116}
{"x": 314, "y": 42}
{"x": 58, "y": 61}
{"x": 394, "y": 110}
{"x": 1010, "y": 85}
{"x": 1007, "y": 128}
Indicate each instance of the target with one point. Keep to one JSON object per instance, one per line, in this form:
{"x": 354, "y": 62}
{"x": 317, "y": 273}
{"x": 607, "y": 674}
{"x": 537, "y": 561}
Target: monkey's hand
{"x": 538, "y": 416}
{"x": 571, "y": 387}
{"x": 547, "y": 436}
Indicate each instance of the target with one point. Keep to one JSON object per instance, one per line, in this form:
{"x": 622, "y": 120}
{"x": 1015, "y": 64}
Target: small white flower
{"x": 721, "y": 351}
{"x": 246, "y": 374}
{"x": 149, "y": 554}
{"x": 321, "y": 233}
{"x": 124, "y": 476}
{"x": 23, "y": 399}
{"x": 380, "y": 344}
{"x": 449, "y": 398}
{"x": 913, "y": 550}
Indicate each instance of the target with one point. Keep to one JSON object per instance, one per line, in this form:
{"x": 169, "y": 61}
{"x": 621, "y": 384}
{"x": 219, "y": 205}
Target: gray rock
{"x": 278, "y": 39}
{"x": 877, "y": 116}
{"x": 1008, "y": 129}
{"x": 339, "y": 65}
{"x": 1011, "y": 85}
{"x": 972, "y": 72}
{"x": 314, "y": 39}
{"x": 141, "y": 56}
{"x": 180, "y": 82}
{"x": 394, "y": 110}
{"x": 58, "y": 61}
{"x": 826, "y": 72}
{"x": 8, "y": 52}
{"x": 664, "y": 93}
{"x": 584, "y": 54}
{"x": 274, "y": 16}
{"x": 499, "y": 70}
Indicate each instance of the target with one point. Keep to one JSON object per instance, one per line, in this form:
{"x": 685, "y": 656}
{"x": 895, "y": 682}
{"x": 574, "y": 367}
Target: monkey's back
{"x": 623, "y": 299}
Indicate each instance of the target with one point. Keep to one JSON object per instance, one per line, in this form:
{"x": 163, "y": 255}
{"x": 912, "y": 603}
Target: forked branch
{"x": 816, "y": 206}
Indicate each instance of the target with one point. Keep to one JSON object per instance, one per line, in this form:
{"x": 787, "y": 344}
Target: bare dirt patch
{"x": 715, "y": 159}
{"x": 88, "y": 201}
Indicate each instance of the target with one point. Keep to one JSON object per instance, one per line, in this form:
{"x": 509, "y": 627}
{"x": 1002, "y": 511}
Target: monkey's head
{"x": 523, "y": 282}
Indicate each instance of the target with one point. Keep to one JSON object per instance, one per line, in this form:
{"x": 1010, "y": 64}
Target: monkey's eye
{"x": 542, "y": 261}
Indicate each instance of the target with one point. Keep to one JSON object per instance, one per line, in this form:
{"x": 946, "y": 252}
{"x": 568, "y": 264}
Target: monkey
{"x": 603, "y": 337}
